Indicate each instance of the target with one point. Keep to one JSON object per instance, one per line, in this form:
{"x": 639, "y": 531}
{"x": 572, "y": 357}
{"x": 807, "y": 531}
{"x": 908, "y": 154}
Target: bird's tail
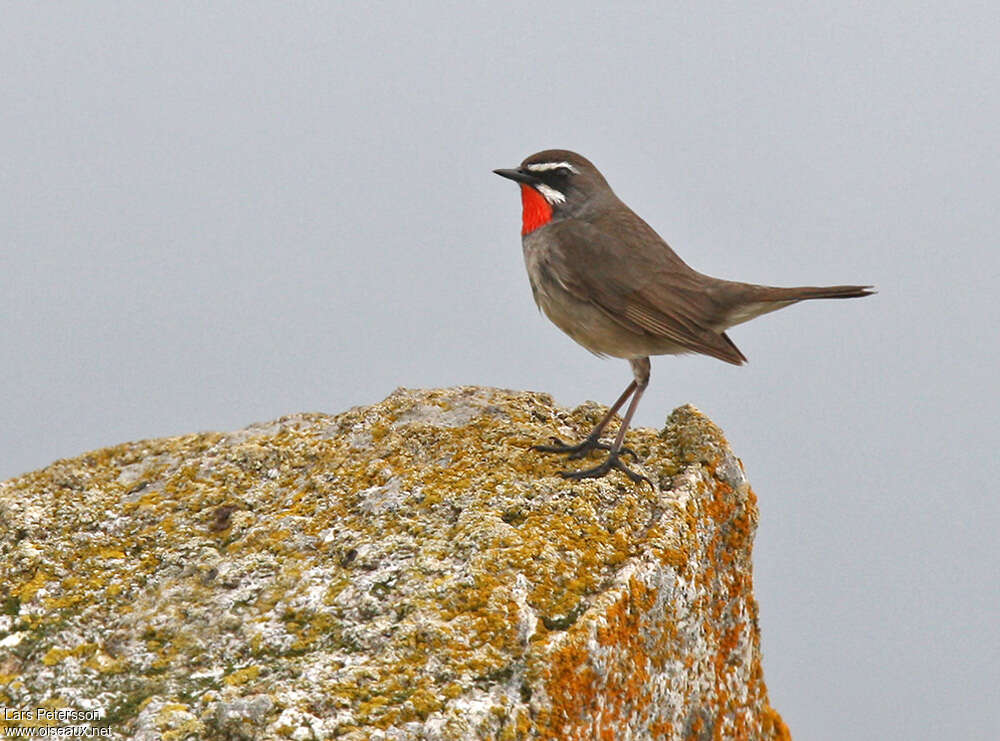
{"x": 802, "y": 293}
{"x": 752, "y": 301}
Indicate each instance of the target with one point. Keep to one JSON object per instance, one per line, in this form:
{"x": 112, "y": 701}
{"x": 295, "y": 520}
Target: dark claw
{"x": 580, "y": 450}
{"x": 612, "y": 462}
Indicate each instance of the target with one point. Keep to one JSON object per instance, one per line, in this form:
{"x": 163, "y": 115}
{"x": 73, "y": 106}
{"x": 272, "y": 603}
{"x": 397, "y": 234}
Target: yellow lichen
{"x": 242, "y": 676}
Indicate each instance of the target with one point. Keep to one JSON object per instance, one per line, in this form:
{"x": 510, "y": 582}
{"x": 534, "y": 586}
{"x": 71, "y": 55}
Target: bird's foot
{"x": 592, "y": 442}
{"x": 612, "y": 462}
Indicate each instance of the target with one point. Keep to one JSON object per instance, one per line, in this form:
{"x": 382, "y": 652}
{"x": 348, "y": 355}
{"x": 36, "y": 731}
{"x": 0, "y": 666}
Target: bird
{"x": 609, "y": 281}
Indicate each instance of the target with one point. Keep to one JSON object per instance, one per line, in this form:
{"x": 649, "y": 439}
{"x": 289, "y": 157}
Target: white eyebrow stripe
{"x": 550, "y": 194}
{"x": 543, "y": 166}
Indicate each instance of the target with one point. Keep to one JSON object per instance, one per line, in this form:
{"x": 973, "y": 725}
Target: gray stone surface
{"x": 408, "y": 570}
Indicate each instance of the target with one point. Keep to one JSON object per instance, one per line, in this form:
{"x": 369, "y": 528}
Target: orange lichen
{"x": 572, "y": 686}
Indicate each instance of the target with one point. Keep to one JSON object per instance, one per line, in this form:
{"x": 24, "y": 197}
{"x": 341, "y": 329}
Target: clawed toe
{"x": 557, "y": 446}
{"x": 612, "y": 462}
{"x": 575, "y": 452}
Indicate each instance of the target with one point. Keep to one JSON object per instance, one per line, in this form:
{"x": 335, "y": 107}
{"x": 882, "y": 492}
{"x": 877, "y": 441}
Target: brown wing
{"x": 618, "y": 263}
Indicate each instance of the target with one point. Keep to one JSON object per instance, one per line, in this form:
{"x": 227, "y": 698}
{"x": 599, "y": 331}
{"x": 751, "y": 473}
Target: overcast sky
{"x": 215, "y": 214}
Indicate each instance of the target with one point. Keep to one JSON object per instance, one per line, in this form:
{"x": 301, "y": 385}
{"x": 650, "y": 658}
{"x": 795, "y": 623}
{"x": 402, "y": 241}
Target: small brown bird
{"x": 605, "y": 278}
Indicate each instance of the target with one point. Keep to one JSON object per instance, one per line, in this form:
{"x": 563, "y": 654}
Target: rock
{"x": 408, "y": 570}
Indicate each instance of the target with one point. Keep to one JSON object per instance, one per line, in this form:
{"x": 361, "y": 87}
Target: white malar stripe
{"x": 545, "y": 166}
{"x": 551, "y": 195}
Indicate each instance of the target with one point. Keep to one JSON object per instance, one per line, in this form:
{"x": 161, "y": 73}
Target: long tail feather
{"x": 802, "y": 293}
{"x": 757, "y": 300}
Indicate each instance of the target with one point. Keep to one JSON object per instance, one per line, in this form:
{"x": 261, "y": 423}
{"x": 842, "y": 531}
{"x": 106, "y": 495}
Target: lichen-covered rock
{"x": 408, "y": 570}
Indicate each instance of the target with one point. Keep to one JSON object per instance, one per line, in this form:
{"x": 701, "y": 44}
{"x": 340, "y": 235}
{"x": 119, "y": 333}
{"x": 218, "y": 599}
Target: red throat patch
{"x": 535, "y": 210}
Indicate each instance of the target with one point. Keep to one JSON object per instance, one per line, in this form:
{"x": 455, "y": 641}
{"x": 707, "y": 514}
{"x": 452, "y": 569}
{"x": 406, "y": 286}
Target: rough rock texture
{"x": 408, "y": 570}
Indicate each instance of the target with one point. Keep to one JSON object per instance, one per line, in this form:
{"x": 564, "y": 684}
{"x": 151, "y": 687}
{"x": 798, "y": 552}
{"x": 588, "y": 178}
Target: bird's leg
{"x": 593, "y": 440}
{"x": 640, "y": 368}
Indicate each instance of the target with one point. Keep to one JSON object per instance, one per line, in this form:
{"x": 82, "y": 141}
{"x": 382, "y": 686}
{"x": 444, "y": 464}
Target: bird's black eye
{"x": 562, "y": 172}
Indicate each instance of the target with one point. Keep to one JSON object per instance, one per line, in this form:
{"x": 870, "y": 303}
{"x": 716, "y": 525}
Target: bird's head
{"x": 556, "y": 184}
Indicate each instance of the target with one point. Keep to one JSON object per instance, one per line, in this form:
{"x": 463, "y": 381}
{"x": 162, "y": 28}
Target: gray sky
{"x": 214, "y": 217}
